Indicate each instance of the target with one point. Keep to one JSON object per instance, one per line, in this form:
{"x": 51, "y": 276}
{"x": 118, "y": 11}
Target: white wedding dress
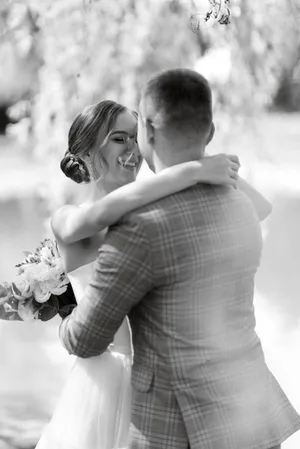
{"x": 93, "y": 411}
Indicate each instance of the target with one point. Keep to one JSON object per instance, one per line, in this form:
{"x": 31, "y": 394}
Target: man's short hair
{"x": 182, "y": 99}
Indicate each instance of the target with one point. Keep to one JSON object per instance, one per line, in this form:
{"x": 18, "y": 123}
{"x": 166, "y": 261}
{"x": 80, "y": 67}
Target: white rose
{"x": 41, "y": 292}
{"x": 37, "y": 272}
{"x": 60, "y": 289}
{"x": 24, "y": 287}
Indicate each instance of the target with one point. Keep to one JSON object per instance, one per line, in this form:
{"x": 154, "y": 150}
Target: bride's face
{"x": 121, "y": 147}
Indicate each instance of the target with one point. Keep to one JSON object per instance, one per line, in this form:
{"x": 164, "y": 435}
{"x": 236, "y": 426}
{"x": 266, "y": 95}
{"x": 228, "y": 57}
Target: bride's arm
{"x": 71, "y": 223}
{"x": 262, "y": 205}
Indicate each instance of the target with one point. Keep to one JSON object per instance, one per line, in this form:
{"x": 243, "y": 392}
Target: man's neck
{"x": 174, "y": 159}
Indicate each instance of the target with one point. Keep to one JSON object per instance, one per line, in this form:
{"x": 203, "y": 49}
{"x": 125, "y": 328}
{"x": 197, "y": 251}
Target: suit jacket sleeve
{"x": 122, "y": 276}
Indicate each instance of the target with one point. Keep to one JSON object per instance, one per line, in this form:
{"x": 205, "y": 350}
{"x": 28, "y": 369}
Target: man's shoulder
{"x": 176, "y": 202}
{"x": 190, "y": 201}
{"x": 161, "y": 207}
{"x": 148, "y": 213}
{"x": 166, "y": 209}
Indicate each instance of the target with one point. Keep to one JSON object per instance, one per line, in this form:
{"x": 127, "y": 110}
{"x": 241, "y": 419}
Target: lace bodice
{"x": 79, "y": 279}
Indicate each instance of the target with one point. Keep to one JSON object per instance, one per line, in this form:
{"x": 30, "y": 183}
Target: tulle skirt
{"x": 94, "y": 409}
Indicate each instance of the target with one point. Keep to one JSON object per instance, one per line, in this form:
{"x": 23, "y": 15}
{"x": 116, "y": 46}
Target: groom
{"x": 183, "y": 270}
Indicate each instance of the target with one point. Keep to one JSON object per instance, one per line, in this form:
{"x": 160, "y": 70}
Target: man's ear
{"x": 150, "y": 132}
{"x": 211, "y": 133}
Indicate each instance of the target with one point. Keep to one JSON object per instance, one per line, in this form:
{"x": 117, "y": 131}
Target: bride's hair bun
{"x": 75, "y": 168}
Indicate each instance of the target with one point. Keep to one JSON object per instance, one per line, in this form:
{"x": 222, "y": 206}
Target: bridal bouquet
{"x": 41, "y": 290}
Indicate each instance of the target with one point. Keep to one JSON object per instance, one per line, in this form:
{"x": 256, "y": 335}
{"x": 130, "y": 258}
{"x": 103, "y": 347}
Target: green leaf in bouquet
{"x": 48, "y": 309}
{"x": 9, "y": 310}
{"x": 15, "y": 290}
{"x": 3, "y": 291}
{"x": 3, "y": 300}
{"x": 66, "y": 310}
{"x": 5, "y": 294}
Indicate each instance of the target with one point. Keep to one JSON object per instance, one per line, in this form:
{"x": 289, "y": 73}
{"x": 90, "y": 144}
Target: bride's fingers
{"x": 233, "y": 158}
{"x": 232, "y": 182}
{"x": 234, "y": 174}
{"x": 234, "y": 166}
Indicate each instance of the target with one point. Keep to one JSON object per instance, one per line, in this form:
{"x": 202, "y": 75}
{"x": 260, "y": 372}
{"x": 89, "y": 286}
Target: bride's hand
{"x": 220, "y": 169}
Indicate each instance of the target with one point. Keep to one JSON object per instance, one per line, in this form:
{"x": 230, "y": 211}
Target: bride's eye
{"x": 121, "y": 140}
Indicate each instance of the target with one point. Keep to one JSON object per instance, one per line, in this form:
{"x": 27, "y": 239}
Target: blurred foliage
{"x": 58, "y": 56}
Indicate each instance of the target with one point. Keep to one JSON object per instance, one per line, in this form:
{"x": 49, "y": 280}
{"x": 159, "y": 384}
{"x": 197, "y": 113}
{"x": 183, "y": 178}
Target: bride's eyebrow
{"x": 118, "y": 132}
{"x": 122, "y": 132}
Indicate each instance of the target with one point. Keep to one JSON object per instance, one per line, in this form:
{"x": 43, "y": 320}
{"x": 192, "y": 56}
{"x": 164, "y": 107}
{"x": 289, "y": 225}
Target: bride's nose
{"x": 132, "y": 146}
{"x": 135, "y": 150}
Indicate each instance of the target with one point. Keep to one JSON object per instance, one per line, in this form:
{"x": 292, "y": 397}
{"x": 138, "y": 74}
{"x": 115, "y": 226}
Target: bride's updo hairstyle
{"x": 88, "y": 134}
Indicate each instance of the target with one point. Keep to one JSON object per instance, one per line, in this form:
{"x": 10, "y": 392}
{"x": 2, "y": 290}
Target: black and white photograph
{"x": 149, "y": 224}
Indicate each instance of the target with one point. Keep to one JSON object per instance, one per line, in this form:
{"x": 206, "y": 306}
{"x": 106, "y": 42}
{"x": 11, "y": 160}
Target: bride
{"x": 94, "y": 409}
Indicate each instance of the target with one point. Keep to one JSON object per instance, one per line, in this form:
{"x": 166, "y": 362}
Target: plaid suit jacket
{"x": 183, "y": 270}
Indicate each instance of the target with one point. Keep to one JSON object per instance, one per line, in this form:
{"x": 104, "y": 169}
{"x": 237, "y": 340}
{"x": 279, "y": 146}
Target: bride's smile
{"x": 129, "y": 161}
